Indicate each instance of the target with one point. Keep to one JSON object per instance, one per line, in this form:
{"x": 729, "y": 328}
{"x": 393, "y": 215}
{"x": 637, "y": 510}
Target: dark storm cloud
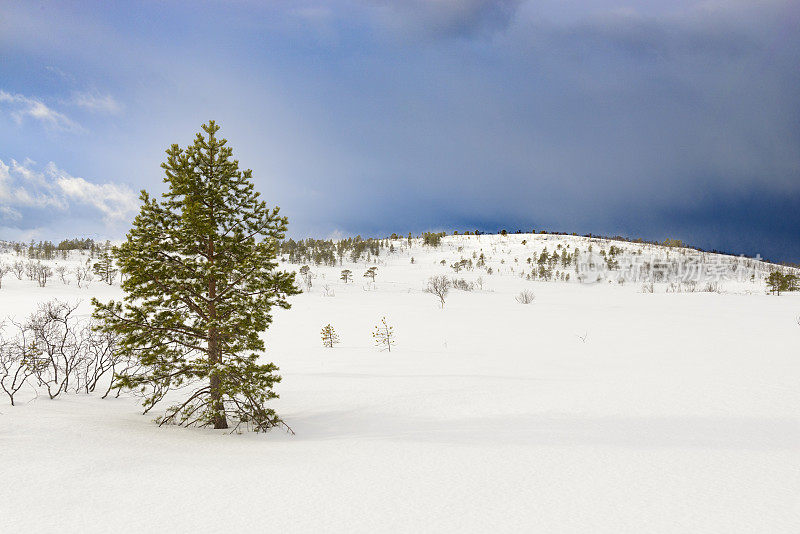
{"x": 586, "y": 125}
{"x": 372, "y": 117}
{"x": 444, "y": 18}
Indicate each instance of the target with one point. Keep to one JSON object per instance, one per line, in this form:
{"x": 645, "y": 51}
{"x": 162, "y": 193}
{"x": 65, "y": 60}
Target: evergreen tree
{"x": 329, "y": 336}
{"x": 461, "y": 264}
{"x": 778, "y": 282}
{"x": 383, "y": 334}
{"x": 790, "y": 282}
{"x": 347, "y": 275}
{"x": 774, "y": 282}
{"x": 372, "y": 272}
{"x": 543, "y": 257}
{"x": 201, "y": 279}
{"x": 104, "y": 268}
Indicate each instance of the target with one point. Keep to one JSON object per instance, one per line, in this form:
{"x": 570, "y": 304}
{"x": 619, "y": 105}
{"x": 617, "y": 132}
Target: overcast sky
{"x": 647, "y": 119}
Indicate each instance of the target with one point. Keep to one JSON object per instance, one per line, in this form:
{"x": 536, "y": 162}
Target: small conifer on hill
{"x": 372, "y": 272}
{"x": 329, "y": 336}
{"x": 383, "y": 334}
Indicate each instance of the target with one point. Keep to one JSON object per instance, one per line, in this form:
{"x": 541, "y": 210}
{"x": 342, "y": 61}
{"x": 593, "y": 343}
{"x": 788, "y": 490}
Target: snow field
{"x": 674, "y": 413}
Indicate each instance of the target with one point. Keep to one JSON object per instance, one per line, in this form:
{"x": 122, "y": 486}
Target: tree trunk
{"x": 214, "y": 351}
{"x": 215, "y": 381}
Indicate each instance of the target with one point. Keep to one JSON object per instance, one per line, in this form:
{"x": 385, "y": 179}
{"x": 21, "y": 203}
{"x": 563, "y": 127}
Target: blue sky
{"x": 654, "y": 119}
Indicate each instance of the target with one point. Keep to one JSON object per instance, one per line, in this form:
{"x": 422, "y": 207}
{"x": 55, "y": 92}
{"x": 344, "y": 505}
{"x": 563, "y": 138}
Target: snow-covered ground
{"x": 597, "y": 408}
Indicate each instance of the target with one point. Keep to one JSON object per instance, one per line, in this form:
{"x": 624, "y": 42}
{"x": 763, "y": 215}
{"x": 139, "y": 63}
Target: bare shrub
{"x": 18, "y": 268}
{"x": 525, "y": 297}
{"x": 83, "y": 276}
{"x": 712, "y": 287}
{"x": 62, "y": 273}
{"x": 101, "y": 357}
{"x": 43, "y": 273}
{"x": 439, "y": 286}
{"x": 15, "y": 370}
{"x": 463, "y": 285}
{"x": 305, "y": 272}
{"x": 648, "y": 287}
{"x": 674, "y": 287}
{"x": 57, "y": 337}
{"x": 55, "y": 350}
{"x": 30, "y": 270}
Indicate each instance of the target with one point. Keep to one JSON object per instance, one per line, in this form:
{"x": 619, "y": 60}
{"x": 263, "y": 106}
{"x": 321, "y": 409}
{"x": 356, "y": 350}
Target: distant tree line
{"x": 47, "y": 250}
{"x": 330, "y": 252}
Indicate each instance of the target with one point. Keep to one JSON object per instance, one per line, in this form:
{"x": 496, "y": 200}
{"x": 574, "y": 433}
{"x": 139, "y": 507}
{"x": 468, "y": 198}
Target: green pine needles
{"x": 383, "y": 334}
{"x": 201, "y": 278}
{"x": 778, "y": 281}
{"x": 329, "y": 336}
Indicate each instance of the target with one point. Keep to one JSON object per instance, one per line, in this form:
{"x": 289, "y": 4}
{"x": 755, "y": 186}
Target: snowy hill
{"x": 656, "y": 389}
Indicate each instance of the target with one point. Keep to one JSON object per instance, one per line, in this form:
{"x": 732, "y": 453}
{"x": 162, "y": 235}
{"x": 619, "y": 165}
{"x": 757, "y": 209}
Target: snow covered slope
{"x": 599, "y": 407}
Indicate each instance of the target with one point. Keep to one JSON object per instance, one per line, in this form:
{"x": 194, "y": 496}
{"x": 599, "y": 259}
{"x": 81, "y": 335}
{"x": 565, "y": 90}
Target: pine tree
{"x": 775, "y": 281}
{"x": 384, "y": 336}
{"x": 201, "y": 279}
{"x": 372, "y": 272}
{"x": 347, "y": 275}
{"x": 329, "y": 336}
{"x": 778, "y": 282}
{"x": 104, "y": 268}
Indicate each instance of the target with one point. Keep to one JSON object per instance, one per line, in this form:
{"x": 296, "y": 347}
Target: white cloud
{"x": 96, "y": 103}
{"x": 117, "y": 202}
{"x": 22, "y": 106}
{"x": 5, "y": 177}
{"x": 8, "y": 213}
{"x": 22, "y": 186}
{"x": 60, "y": 73}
